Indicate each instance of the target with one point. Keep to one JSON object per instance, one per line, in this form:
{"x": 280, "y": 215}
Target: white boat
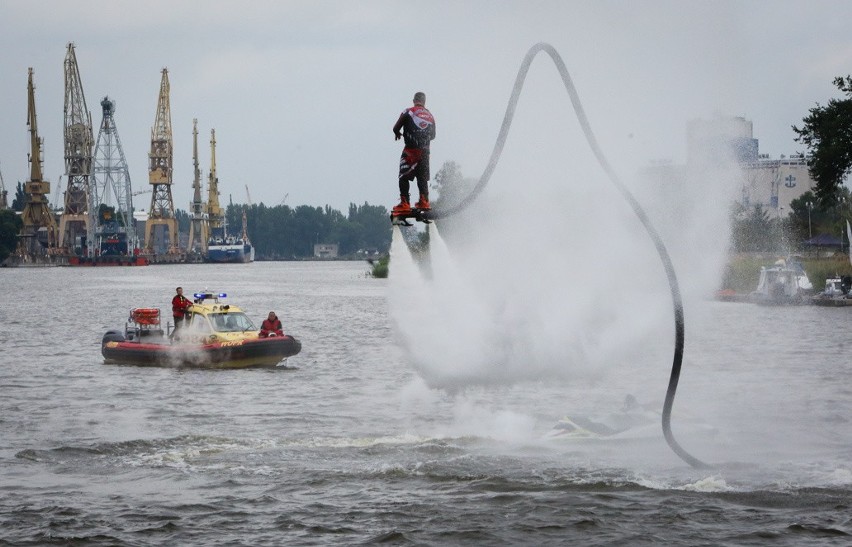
{"x": 784, "y": 283}
{"x": 837, "y": 292}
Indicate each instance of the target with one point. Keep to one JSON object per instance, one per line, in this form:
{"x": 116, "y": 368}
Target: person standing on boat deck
{"x": 179, "y": 306}
{"x": 417, "y": 126}
{"x": 271, "y": 326}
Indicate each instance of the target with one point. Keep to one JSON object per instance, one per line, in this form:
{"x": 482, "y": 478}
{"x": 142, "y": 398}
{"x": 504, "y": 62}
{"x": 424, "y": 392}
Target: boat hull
{"x": 230, "y": 254}
{"x": 248, "y": 353}
{"x": 831, "y": 301}
{"x": 109, "y": 260}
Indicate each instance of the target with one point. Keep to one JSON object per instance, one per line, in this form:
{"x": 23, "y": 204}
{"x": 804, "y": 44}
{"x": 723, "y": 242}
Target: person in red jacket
{"x": 417, "y": 126}
{"x": 271, "y": 326}
{"x": 179, "y": 306}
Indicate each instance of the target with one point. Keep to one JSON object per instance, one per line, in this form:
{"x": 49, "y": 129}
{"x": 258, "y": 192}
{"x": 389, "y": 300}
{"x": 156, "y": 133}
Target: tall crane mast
{"x": 245, "y": 236}
{"x": 75, "y": 220}
{"x": 37, "y": 213}
{"x": 198, "y": 225}
{"x": 162, "y": 210}
{"x": 4, "y": 203}
{"x": 214, "y": 212}
{"x": 110, "y": 174}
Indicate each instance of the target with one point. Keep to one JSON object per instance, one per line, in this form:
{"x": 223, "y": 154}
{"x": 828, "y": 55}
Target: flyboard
{"x": 420, "y": 215}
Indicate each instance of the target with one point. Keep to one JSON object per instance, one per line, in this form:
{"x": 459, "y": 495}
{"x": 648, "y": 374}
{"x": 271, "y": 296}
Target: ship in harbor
{"x": 223, "y": 247}
{"x": 230, "y": 249}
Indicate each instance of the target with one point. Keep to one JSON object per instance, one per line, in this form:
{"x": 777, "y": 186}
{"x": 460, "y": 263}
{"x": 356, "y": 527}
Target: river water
{"x": 347, "y": 444}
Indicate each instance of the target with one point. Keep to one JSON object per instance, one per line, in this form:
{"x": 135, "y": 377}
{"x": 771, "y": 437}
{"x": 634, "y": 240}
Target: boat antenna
{"x": 677, "y": 302}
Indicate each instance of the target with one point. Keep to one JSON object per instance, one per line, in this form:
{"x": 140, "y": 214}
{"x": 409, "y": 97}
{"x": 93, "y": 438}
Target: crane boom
{"x": 37, "y": 213}
{"x": 214, "y": 211}
{"x": 111, "y": 175}
{"x": 4, "y": 203}
{"x": 162, "y": 210}
{"x": 76, "y": 222}
{"x": 198, "y": 226}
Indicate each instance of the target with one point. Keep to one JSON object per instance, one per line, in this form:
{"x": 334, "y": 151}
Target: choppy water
{"x": 345, "y": 445}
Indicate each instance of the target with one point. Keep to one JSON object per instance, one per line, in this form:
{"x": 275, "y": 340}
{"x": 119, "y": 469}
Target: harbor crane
{"x": 4, "y": 203}
{"x": 198, "y": 229}
{"x": 215, "y": 215}
{"x": 76, "y": 229}
{"x": 37, "y": 216}
{"x": 111, "y": 179}
{"x": 245, "y": 236}
{"x": 161, "y": 214}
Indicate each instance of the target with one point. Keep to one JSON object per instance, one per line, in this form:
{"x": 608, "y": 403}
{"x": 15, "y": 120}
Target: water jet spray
{"x": 637, "y": 209}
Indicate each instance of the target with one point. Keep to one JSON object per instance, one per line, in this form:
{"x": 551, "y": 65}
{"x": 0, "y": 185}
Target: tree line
{"x": 282, "y": 233}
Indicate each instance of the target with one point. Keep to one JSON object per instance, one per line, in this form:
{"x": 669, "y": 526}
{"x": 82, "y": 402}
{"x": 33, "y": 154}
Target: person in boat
{"x": 271, "y": 326}
{"x": 180, "y": 304}
{"x": 417, "y": 126}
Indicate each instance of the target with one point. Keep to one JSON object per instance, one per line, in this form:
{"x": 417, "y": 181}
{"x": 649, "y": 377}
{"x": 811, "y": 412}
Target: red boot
{"x": 404, "y": 206}
{"x": 423, "y": 203}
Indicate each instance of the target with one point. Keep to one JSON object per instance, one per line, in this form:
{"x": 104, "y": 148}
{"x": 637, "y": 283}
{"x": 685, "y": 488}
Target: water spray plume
{"x": 634, "y": 204}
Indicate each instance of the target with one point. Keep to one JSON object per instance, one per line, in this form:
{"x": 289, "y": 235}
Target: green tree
{"x": 20, "y": 199}
{"x": 10, "y": 227}
{"x": 451, "y": 185}
{"x": 183, "y": 220}
{"x": 806, "y": 217}
{"x": 827, "y": 132}
{"x": 753, "y": 230}
{"x": 283, "y": 233}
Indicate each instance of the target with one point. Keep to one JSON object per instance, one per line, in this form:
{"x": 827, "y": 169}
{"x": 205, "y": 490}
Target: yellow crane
{"x": 215, "y": 217}
{"x": 245, "y": 236}
{"x": 198, "y": 224}
{"x": 37, "y": 214}
{"x": 162, "y": 210}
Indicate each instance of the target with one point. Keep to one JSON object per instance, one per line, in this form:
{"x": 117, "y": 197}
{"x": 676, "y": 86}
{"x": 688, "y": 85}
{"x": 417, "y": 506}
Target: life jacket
{"x": 179, "y": 305}
{"x": 419, "y": 127}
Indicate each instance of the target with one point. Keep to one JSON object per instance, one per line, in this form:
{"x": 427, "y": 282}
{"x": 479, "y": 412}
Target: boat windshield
{"x": 231, "y": 322}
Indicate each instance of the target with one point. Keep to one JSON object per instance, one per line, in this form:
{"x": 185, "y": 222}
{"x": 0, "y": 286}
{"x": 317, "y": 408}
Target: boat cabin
{"x": 210, "y": 318}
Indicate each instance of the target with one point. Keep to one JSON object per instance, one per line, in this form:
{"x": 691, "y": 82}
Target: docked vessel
{"x": 230, "y": 249}
{"x": 783, "y": 283}
{"x": 836, "y": 293}
{"x": 214, "y": 335}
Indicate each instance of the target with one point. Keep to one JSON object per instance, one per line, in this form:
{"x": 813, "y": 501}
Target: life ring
{"x": 145, "y": 316}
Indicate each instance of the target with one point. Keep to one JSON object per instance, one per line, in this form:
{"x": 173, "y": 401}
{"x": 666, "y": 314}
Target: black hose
{"x": 655, "y": 237}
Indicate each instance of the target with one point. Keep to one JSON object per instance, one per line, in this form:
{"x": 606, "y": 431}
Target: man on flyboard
{"x": 417, "y": 126}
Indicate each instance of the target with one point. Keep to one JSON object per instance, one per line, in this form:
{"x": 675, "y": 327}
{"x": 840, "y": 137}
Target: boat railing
{"x": 143, "y": 323}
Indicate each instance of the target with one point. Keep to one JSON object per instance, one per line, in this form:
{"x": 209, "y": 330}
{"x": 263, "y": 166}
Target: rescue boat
{"x": 214, "y": 335}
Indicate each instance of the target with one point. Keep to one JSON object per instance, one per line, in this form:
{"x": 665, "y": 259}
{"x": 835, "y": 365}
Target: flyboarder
{"x": 417, "y": 126}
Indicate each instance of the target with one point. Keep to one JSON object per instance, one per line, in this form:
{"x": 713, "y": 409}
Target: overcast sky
{"x": 303, "y": 94}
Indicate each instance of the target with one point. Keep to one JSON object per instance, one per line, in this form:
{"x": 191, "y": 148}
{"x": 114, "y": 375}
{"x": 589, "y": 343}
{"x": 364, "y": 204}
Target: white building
{"x": 773, "y": 184}
{"x": 770, "y": 183}
{"x": 325, "y": 250}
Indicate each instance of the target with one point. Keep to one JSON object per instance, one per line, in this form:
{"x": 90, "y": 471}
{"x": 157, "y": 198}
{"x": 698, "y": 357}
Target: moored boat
{"x": 215, "y": 335}
{"x": 836, "y": 293}
{"x": 782, "y": 284}
{"x": 230, "y": 250}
